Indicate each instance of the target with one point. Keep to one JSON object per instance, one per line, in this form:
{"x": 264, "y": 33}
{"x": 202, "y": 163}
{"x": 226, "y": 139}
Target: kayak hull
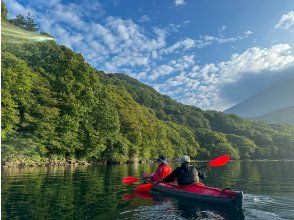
{"x": 203, "y": 194}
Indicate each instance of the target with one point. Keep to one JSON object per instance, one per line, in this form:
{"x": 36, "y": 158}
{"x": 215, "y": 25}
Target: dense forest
{"x": 56, "y": 107}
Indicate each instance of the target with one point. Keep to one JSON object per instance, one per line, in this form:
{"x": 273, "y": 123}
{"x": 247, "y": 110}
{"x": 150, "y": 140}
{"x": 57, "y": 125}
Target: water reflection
{"x": 96, "y": 193}
{"x": 180, "y": 209}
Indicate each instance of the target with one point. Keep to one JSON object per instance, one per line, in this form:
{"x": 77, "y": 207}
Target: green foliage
{"x": 164, "y": 107}
{"x": 245, "y": 146}
{"x": 28, "y": 23}
{"x": 74, "y": 111}
{"x": 17, "y": 83}
{"x": 3, "y": 11}
{"x": 22, "y": 149}
{"x": 214, "y": 144}
{"x": 286, "y": 145}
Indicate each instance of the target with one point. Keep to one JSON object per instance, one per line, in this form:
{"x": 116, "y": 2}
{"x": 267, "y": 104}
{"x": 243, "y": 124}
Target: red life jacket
{"x": 162, "y": 171}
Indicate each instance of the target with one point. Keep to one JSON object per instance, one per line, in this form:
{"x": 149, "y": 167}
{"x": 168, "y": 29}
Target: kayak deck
{"x": 200, "y": 192}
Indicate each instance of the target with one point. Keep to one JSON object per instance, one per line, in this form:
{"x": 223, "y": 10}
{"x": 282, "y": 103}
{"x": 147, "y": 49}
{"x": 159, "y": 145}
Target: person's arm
{"x": 156, "y": 176}
{"x": 201, "y": 174}
{"x": 171, "y": 176}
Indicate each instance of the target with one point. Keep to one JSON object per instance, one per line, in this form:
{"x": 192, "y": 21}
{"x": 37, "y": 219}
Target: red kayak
{"x": 200, "y": 192}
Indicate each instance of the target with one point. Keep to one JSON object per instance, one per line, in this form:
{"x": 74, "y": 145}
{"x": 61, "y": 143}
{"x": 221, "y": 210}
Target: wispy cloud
{"x": 179, "y": 2}
{"x": 286, "y": 22}
{"x": 144, "y": 18}
{"x": 16, "y": 8}
{"x": 201, "y": 42}
{"x": 182, "y": 44}
{"x": 116, "y": 3}
{"x": 173, "y": 66}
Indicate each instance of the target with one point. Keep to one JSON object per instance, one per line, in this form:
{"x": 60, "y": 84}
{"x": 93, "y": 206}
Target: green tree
{"x": 3, "y": 11}
{"x": 214, "y": 144}
{"x": 17, "y": 83}
{"x": 31, "y": 24}
{"x": 28, "y": 23}
{"x": 245, "y": 146}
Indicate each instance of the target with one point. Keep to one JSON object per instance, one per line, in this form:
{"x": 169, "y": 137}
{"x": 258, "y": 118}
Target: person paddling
{"x": 186, "y": 174}
{"x": 162, "y": 170}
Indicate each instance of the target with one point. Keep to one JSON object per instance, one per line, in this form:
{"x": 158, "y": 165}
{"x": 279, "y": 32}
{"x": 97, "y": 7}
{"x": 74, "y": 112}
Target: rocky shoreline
{"x": 52, "y": 163}
{"x": 45, "y": 163}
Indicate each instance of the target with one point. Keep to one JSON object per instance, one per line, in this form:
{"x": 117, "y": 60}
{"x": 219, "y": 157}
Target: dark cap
{"x": 162, "y": 159}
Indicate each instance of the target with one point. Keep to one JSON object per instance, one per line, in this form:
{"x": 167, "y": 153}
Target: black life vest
{"x": 188, "y": 175}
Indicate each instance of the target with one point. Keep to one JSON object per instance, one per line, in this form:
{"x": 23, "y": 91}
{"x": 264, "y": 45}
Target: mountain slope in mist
{"x": 275, "y": 97}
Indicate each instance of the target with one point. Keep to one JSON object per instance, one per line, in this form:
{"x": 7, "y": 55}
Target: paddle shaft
{"x": 200, "y": 168}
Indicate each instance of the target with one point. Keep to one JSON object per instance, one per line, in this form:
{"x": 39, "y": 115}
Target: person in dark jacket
{"x": 186, "y": 174}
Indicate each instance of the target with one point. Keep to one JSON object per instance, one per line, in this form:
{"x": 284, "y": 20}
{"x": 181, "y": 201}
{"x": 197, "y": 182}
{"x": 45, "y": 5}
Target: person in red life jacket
{"x": 186, "y": 174}
{"x": 162, "y": 170}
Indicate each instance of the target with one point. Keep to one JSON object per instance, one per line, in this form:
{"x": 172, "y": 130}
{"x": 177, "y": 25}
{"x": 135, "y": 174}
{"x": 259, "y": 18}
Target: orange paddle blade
{"x": 144, "y": 187}
{"x": 129, "y": 180}
{"x": 219, "y": 161}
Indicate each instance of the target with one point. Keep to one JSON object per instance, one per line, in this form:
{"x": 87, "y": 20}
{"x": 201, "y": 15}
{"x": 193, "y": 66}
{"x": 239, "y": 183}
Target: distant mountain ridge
{"x": 284, "y": 115}
{"x": 275, "y": 97}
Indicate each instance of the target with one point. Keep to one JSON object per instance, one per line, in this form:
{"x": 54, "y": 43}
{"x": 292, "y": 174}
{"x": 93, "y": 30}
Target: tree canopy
{"x": 28, "y": 23}
{"x": 55, "y": 105}
{"x": 4, "y": 11}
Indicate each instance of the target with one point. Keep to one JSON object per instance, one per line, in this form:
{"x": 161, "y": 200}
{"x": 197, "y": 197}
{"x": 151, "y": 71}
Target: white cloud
{"x": 183, "y": 44}
{"x": 144, "y": 18}
{"x": 162, "y": 70}
{"x": 117, "y": 43}
{"x": 208, "y": 39}
{"x": 247, "y": 33}
{"x": 203, "y": 41}
{"x": 173, "y": 66}
{"x": 286, "y": 22}
{"x": 114, "y": 44}
{"x": 179, "y": 2}
{"x": 16, "y": 8}
{"x": 128, "y": 45}
{"x": 255, "y": 60}
{"x": 201, "y": 85}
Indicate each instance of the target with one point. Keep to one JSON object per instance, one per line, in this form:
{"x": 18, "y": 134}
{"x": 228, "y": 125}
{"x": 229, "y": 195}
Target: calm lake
{"x": 97, "y": 193}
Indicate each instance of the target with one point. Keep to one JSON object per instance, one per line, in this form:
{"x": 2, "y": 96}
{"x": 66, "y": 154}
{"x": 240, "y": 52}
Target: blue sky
{"x": 208, "y": 53}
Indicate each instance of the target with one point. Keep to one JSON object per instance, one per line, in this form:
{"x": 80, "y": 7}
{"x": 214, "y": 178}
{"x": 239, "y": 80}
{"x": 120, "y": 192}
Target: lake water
{"x": 97, "y": 193}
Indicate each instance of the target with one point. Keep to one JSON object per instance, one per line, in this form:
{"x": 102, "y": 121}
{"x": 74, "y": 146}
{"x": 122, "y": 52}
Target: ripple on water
{"x": 265, "y": 207}
{"x": 96, "y": 192}
{"x": 167, "y": 210}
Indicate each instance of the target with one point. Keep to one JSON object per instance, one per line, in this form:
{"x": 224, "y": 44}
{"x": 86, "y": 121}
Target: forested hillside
{"x": 284, "y": 116}
{"x": 55, "y": 106}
